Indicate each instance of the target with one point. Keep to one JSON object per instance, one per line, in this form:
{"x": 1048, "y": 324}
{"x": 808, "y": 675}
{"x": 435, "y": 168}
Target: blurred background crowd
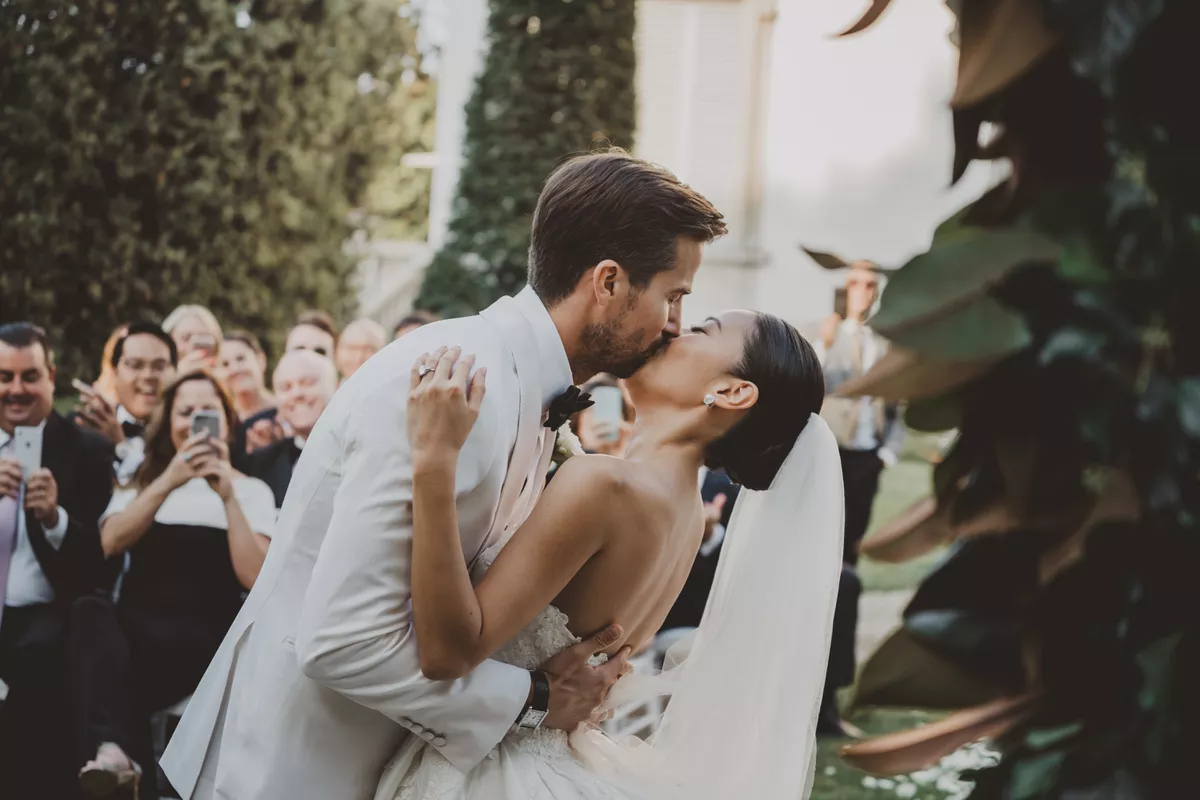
{"x": 213, "y": 211}
{"x": 186, "y": 430}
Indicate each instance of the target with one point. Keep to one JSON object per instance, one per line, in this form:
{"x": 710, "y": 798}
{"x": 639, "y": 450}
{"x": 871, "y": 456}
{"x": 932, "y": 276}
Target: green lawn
{"x": 837, "y": 781}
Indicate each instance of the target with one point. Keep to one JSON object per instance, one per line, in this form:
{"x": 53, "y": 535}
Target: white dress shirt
{"x": 866, "y": 435}
{"x": 27, "y": 584}
{"x": 130, "y": 451}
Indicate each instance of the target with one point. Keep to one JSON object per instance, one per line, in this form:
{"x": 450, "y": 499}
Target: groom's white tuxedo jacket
{"x": 319, "y": 679}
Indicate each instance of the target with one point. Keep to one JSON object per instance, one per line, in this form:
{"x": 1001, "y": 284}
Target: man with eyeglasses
{"x": 144, "y": 362}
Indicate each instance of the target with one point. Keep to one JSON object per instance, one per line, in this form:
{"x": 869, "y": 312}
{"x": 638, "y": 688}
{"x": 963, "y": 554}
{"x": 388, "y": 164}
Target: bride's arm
{"x": 459, "y": 625}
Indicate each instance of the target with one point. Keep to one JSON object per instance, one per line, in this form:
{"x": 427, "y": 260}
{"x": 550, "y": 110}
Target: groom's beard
{"x": 605, "y": 349}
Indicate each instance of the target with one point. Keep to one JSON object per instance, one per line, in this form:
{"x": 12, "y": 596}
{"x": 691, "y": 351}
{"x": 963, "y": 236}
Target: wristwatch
{"x": 539, "y": 703}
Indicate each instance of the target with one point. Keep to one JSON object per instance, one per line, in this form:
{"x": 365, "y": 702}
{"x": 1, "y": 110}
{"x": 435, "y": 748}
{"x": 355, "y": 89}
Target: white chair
{"x": 160, "y": 726}
{"x": 637, "y": 719}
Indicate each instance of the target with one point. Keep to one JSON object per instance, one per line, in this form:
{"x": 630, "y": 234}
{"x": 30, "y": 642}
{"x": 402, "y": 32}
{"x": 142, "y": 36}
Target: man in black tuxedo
{"x": 143, "y": 362}
{"x": 50, "y": 554}
{"x": 304, "y": 383}
{"x": 718, "y": 493}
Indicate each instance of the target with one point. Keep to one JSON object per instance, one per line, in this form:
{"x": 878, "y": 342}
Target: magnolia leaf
{"x": 912, "y": 750}
{"x": 904, "y": 374}
{"x": 903, "y": 673}
{"x": 952, "y": 274}
{"x": 1017, "y": 457}
{"x": 1042, "y": 738}
{"x": 826, "y": 260}
{"x": 999, "y": 42}
{"x": 1117, "y": 501}
{"x": 983, "y": 329}
{"x": 1035, "y": 776}
{"x": 934, "y": 414}
{"x": 868, "y": 18}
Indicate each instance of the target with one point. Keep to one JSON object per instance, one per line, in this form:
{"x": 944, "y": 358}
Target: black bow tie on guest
{"x": 567, "y": 405}
{"x": 132, "y": 430}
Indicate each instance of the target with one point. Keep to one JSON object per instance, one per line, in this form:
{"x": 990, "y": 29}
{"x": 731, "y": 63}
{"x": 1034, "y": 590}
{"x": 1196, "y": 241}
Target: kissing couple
{"x": 429, "y": 623}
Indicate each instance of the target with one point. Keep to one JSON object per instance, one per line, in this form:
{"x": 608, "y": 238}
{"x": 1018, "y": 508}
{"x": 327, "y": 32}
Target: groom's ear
{"x": 607, "y": 279}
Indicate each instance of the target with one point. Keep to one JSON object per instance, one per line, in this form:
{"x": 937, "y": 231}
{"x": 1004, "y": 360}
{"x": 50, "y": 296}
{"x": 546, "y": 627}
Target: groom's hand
{"x": 576, "y": 687}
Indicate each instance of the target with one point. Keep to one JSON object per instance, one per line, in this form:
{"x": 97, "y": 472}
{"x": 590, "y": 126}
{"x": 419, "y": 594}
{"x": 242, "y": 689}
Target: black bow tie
{"x": 567, "y": 405}
{"x": 132, "y": 430}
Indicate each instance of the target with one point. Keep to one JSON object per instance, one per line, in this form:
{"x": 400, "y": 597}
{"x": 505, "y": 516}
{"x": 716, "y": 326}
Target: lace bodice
{"x": 536, "y": 766}
{"x": 546, "y": 636}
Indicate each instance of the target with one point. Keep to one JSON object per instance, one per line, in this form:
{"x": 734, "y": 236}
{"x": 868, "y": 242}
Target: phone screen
{"x": 609, "y": 407}
{"x": 206, "y": 422}
{"x": 204, "y": 341}
{"x": 839, "y": 301}
{"x": 27, "y": 449}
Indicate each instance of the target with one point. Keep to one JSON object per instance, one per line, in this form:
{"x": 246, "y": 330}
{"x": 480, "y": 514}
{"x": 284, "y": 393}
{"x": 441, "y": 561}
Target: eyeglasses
{"x": 156, "y": 367}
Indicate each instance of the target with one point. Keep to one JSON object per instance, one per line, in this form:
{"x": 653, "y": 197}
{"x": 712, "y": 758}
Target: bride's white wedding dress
{"x": 524, "y": 766}
{"x": 742, "y": 715}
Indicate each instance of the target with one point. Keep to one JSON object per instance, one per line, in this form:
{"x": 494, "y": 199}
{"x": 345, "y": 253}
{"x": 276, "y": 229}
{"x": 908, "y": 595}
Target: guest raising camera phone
{"x": 194, "y": 532}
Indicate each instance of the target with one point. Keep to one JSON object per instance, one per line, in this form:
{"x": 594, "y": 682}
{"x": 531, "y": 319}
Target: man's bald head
{"x": 304, "y": 383}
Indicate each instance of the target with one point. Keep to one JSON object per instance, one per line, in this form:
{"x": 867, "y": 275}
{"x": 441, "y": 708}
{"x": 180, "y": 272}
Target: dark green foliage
{"x": 168, "y": 151}
{"x": 557, "y": 80}
{"x": 1080, "y": 449}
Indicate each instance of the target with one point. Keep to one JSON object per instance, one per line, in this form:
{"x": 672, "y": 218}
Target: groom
{"x": 318, "y": 679}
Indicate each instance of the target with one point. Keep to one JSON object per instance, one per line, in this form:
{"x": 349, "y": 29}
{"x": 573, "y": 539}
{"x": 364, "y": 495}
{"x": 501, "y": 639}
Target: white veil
{"x": 742, "y": 717}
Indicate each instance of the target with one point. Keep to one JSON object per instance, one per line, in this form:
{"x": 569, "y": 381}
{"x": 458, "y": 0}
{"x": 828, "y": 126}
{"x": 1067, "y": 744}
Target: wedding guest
{"x": 243, "y": 367}
{"x": 413, "y": 321}
{"x": 196, "y": 533}
{"x": 603, "y": 436}
{"x": 143, "y": 362}
{"x": 49, "y": 555}
{"x": 105, "y": 385}
{"x": 197, "y": 336}
{"x": 243, "y": 371}
{"x": 361, "y": 339}
{"x": 304, "y": 384}
{"x": 869, "y": 434}
{"x": 718, "y": 494}
{"x": 314, "y": 330}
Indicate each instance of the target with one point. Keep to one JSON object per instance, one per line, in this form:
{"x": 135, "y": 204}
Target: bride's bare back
{"x": 644, "y": 521}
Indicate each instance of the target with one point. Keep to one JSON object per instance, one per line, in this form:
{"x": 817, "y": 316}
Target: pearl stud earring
{"x": 710, "y": 399}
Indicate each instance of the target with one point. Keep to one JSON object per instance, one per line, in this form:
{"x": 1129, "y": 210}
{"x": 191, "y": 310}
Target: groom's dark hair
{"x": 611, "y": 205}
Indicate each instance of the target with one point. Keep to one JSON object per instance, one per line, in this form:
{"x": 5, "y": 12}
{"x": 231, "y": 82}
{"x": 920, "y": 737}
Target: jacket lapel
{"x": 506, "y": 316}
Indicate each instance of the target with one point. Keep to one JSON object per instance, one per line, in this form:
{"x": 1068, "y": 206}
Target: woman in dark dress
{"x": 195, "y": 533}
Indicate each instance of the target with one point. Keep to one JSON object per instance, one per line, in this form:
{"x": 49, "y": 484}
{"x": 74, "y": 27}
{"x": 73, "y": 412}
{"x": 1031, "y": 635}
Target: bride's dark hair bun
{"x": 791, "y": 387}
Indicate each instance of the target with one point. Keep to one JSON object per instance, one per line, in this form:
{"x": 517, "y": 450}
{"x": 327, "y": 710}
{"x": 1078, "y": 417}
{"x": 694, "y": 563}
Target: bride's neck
{"x": 661, "y": 435}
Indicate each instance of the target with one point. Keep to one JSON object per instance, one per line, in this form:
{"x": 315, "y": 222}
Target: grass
{"x": 835, "y": 780}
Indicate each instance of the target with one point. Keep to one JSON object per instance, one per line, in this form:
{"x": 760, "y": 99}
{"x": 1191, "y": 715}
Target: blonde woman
{"x": 198, "y": 336}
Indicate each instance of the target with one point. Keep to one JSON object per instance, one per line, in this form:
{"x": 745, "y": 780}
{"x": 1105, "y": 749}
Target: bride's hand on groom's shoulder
{"x": 443, "y": 403}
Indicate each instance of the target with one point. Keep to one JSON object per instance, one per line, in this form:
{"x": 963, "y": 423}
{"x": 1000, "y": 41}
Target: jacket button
{"x": 439, "y": 741}
{"x": 406, "y": 722}
{"x": 427, "y": 736}
{"x": 417, "y": 728}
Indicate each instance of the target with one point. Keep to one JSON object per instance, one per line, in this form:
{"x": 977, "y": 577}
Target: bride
{"x": 613, "y": 540}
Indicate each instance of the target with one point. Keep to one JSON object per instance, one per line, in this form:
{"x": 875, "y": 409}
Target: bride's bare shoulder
{"x": 593, "y": 480}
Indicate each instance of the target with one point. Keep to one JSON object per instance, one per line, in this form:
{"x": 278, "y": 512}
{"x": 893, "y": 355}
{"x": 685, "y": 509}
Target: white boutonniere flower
{"x": 566, "y": 444}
